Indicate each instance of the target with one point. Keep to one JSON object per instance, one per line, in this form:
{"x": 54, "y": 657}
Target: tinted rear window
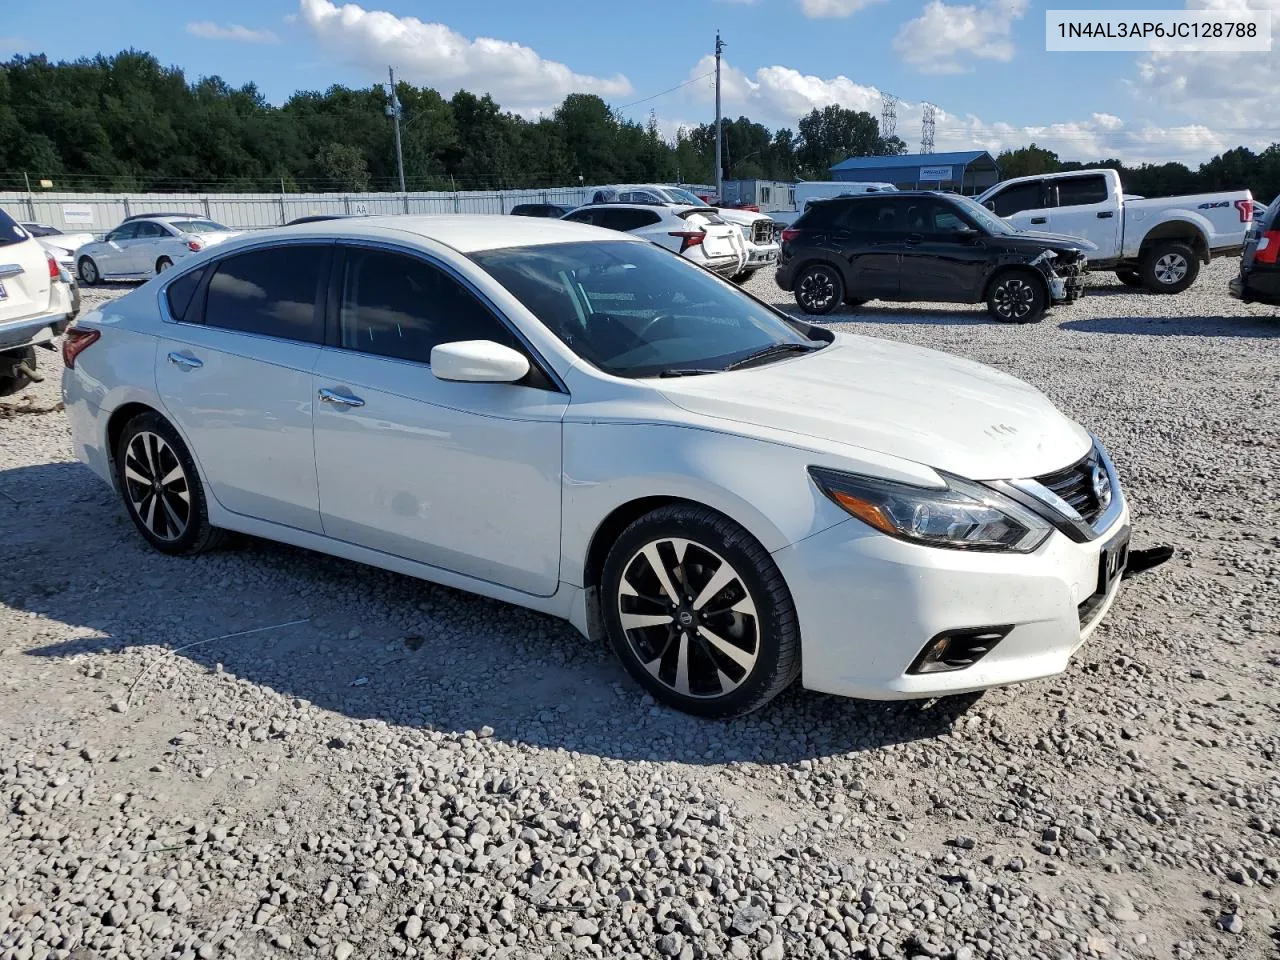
{"x": 180, "y": 292}
{"x": 10, "y": 232}
{"x": 273, "y": 292}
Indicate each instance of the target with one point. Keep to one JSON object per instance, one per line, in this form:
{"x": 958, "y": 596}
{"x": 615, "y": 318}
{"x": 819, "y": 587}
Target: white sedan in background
{"x": 582, "y": 423}
{"x": 144, "y": 247}
{"x": 63, "y": 246}
{"x": 698, "y": 234}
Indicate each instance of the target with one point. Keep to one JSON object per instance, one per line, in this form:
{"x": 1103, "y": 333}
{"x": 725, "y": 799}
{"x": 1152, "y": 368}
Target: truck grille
{"x": 1075, "y": 485}
{"x": 762, "y": 231}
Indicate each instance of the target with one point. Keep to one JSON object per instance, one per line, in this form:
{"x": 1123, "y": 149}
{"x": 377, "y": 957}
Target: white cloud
{"x": 214, "y": 31}
{"x": 431, "y": 53}
{"x": 818, "y": 9}
{"x": 778, "y": 96}
{"x": 945, "y": 35}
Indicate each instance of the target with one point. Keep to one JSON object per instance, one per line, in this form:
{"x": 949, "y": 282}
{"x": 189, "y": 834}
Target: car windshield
{"x": 684, "y": 196}
{"x": 983, "y": 217}
{"x": 41, "y": 230}
{"x": 636, "y": 310}
{"x": 197, "y": 226}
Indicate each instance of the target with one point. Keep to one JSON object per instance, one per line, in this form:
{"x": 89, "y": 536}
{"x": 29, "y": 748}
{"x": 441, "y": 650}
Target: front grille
{"x": 1075, "y": 485}
{"x": 762, "y": 231}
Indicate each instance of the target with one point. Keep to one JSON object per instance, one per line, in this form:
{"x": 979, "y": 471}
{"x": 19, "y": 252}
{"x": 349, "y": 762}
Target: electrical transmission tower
{"x": 928, "y": 125}
{"x": 888, "y": 115}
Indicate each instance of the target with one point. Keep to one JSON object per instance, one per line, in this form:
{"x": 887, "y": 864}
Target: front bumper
{"x": 869, "y": 604}
{"x": 1067, "y": 281}
{"x": 760, "y": 255}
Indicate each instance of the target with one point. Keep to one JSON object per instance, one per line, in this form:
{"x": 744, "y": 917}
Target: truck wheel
{"x": 1017, "y": 296}
{"x": 1170, "y": 267}
{"x": 1130, "y": 278}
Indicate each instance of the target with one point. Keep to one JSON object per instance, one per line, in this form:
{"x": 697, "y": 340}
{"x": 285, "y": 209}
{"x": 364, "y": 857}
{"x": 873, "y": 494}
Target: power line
{"x": 633, "y": 103}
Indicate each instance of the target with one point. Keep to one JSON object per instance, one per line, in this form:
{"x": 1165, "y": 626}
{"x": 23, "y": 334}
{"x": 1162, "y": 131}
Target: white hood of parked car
{"x": 730, "y": 215}
{"x": 921, "y": 405}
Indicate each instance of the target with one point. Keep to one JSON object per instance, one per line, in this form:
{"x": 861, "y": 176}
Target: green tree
{"x": 343, "y": 166}
{"x": 1027, "y": 161}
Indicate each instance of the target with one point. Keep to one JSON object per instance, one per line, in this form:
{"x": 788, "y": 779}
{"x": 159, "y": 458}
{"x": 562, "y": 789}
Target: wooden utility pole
{"x": 719, "y": 163}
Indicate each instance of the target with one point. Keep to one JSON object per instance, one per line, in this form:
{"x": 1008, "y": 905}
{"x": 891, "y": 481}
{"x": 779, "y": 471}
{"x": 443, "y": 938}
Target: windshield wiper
{"x": 686, "y": 372}
{"x": 774, "y": 350}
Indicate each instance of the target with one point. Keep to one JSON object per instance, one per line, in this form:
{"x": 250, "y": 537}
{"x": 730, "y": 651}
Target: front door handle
{"x": 184, "y": 361}
{"x": 1106, "y": 214}
{"x": 915, "y": 238}
{"x": 1039, "y": 219}
{"x": 342, "y": 399}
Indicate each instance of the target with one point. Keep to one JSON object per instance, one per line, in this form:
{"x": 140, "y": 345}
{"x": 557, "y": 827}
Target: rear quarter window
{"x": 179, "y": 293}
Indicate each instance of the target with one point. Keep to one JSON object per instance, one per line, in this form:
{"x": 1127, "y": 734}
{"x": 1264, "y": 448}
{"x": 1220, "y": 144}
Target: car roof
{"x": 466, "y": 233}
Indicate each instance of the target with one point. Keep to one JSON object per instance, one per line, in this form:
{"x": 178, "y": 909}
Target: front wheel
{"x": 819, "y": 289}
{"x": 698, "y": 612}
{"x": 1017, "y": 297}
{"x": 1169, "y": 268}
{"x": 161, "y": 488}
{"x": 88, "y": 271}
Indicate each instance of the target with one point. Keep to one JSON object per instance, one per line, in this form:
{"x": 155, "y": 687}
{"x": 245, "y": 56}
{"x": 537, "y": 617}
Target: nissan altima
{"x": 580, "y": 422}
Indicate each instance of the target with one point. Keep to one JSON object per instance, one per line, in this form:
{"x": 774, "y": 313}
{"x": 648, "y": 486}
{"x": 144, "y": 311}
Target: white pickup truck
{"x": 1158, "y": 244}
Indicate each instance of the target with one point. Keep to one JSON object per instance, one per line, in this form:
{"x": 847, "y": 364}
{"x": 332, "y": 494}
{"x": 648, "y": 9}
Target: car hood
{"x": 1053, "y": 241}
{"x": 67, "y": 242}
{"x": 909, "y": 402}
{"x": 739, "y": 216}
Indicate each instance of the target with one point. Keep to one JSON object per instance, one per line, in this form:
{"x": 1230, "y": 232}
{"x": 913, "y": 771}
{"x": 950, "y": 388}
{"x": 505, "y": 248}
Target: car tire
{"x": 742, "y": 277}
{"x": 1130, "y": 278}
{"x": 161, "y": 488}
{"x": 819, "y": 289}
{"x": 1017, "y": 296}
{"x": 88, "y": 271}
{"x": 15, "y": 378}
{"x": 732, "y": 658}
{"x": 163, "y": 264}
{"x": 1169, "y": 267}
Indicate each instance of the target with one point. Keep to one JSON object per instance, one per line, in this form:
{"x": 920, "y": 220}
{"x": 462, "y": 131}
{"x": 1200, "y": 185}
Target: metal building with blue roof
{"x": 965, "y": 171}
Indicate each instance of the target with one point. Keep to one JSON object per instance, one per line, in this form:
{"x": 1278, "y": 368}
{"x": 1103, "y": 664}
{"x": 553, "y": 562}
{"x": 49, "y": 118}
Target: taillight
{"x": 688, "y": 238}
{"x": 75, "y": 341}
{"x": 789, "y": 234}
{"x": 1246, "y": 210}
{"x": 1268, "y": 248}
{"x": 55, "y": 272}
{"x": 195, "y": 246}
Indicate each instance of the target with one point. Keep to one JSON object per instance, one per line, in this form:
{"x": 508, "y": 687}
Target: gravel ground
{"x": 395, "y": 769}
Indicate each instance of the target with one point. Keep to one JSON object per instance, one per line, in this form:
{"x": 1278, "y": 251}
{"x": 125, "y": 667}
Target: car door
{"x": 234, "y": 373}
{"x": 868, "y": 235}
{"x": 1025, "y": 205}
{"x": 147, "y": 246}
{"x": 114, "y": 256}
{"x": 461, "y": 476}
{"x": 943, "y": 257}
{"x": 1084, "y": 208}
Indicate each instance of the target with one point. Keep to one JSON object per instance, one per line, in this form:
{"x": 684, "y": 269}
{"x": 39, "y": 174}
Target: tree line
{"x": 1236, "y": 169}
{"x": 128, "y": 123}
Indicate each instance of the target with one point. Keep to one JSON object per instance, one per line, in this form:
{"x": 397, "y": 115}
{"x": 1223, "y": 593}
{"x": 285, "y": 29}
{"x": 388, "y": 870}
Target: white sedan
{"x": 582, "y": 423}
{"x": 697, "y": 234}
{"x": 146, "y": 246}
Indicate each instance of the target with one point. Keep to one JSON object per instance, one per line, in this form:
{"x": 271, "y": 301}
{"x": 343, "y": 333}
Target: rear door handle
{"x": 184, "y": 361}
{"x": 1039, "y": 220}
{"x": 1106, "y": 214}
{"x": 915, "y": 238}
{"x": 342, "y": 399}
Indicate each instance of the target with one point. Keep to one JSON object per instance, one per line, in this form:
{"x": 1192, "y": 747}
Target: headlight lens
{"x": 964, "y": 516}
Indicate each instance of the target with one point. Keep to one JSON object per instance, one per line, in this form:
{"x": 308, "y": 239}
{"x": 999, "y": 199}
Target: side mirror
{"x": 990, "y": 205}
{"x": 478, "y": 361}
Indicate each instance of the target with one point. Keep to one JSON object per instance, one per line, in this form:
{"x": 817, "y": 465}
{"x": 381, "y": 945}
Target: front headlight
{"x": 964, "y": 516}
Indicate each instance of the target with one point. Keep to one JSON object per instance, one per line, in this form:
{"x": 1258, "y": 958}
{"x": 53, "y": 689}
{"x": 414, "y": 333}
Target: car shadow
{"x": 375, "y": 645}
{"x": 896, "y": 314}
{"x": 1261, "y": 328}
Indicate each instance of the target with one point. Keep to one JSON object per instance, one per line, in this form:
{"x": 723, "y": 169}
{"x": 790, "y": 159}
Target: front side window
{"x": 933, "y": 218}
{"x": 275, "y": 292}
{"x": 636, "y": 310}
{"x": 395, "y": 305}
{"x": 126, "y": 231}
{"x": 983, "y": 217}
{"x": 1022, "y": 196}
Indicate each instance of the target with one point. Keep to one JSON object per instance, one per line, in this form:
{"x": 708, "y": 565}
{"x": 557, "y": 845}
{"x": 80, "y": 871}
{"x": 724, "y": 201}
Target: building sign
{"x": 77, "y": 213}
{"x": 930, "y": 174}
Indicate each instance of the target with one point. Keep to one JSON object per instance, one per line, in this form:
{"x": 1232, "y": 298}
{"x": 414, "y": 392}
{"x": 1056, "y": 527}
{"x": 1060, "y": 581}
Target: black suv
{"x": 1259, "y": 277}
{"x": 926, "y": 245}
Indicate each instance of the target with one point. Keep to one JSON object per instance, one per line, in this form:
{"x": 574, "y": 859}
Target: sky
{"x": 982, "y": 63}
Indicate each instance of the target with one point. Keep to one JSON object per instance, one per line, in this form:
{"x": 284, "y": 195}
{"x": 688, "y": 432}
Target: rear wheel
{"x": 819, "y": 289}
{"x": 163, "y": 264}
{"x": 1169, "y": 267}
{"x": 88, "y": 271}
{"x": 161, "y": 488}
{"x": 1130, "y": 278}
{"x": 699, "y": 614}
{"x": 1017, "y": 296}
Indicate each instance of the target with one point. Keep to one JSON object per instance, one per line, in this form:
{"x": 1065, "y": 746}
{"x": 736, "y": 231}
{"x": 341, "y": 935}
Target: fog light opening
{"x": 958, "y": 649}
